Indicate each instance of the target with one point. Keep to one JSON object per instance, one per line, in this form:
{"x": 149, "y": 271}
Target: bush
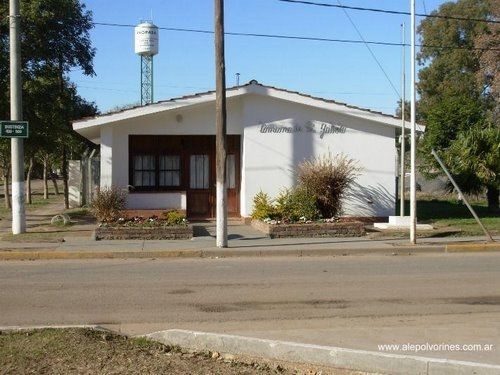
{"x": 291, "y": 205}
{"x": 108, "y": 203}
{"x": 328, "y": 178}
{"x": 305, "y": 205}
{"x": 262, "y": 207}
{"x": 174, "y": 218}
{"x": 294, "y": 205}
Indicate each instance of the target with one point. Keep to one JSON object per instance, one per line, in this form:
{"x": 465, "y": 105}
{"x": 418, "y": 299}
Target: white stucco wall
{"x": 268, "y": 159}
{"x": 163, "y": 200}
{"x": 197, "y": 120}
{"x": 107, "y": 157}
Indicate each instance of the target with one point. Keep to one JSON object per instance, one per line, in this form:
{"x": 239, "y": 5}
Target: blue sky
{"x": 185, "y": 64}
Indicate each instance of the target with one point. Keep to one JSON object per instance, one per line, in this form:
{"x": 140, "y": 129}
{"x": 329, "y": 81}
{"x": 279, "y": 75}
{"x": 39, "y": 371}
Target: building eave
{"x": 253, "y": 87}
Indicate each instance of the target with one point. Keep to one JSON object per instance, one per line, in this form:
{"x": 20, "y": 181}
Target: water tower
{"x": 146, "y": 46}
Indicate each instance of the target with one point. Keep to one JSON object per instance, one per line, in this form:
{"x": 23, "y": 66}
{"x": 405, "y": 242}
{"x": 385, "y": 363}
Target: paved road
{"x": 356, "y": 301}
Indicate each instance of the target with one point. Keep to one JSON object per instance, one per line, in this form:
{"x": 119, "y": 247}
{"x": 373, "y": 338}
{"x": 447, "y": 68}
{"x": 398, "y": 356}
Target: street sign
{"x": 14, "y": 129}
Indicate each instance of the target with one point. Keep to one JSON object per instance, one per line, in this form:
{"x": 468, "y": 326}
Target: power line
{"x": 207, "y": 88}
{"x": 296, "y": 37}
{"x": 388, "y": 11}
{"x": 425, "y": 8}
{"x": 370, "y": 50}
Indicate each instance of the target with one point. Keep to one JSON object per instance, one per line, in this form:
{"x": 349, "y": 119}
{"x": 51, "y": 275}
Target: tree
{"x": 4, "y": 106}
{"x": 476, "y": 153}
{"x": 50, "y": 113}
{"x": 489, "y": 63}
{"x": 55, "y": 38}
{"x": 407, "y": 110}
{"x": 453, "y": 99}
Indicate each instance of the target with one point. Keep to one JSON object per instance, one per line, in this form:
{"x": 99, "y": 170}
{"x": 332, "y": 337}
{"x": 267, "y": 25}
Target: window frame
{"x": 206, "y": 171}
{"x": 159, "y": 171}
{"x": 154, "y": 171}
{"x": 183, "y": 147}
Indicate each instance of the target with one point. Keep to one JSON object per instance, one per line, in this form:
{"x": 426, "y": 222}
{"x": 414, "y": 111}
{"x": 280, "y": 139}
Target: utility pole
{"x": 220, "y": 126}
{"x": 16, "y": 113}
{"x": 413, "y": 182}
{"x": 403, "y": 143}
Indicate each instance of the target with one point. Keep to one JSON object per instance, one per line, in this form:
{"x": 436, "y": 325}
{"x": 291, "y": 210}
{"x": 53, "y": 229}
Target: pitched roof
{"x": 251, "y": 87}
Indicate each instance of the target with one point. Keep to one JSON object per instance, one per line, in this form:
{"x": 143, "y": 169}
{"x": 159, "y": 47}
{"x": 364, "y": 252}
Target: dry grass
{"x": 328, "y": 178}
{"x": 84, "y": 351}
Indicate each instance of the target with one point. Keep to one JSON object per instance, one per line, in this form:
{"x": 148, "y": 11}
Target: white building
{"x": 165, "y": 152}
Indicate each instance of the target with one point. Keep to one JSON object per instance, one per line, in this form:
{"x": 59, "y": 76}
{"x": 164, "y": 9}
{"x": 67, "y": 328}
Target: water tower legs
{"x": 146, "y": 79}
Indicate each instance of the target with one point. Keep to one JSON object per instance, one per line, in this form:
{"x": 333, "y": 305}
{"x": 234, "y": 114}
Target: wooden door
{"x": 201, "y": 176}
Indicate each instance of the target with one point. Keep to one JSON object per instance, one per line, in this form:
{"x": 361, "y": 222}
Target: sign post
{"x": 14, "y": 129}
{"x": 16, "y": 113}
{"x": 413, "y": 181}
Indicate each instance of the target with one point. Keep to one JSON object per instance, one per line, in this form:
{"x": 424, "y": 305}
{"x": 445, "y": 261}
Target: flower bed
{"x": 145, "y": 233}
{"x": 173, "y": 227}
{"x": 276, "y": 229}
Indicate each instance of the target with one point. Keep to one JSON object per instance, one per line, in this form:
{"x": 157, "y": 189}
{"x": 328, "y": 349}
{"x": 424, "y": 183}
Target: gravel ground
{"x": 83, "y": 351}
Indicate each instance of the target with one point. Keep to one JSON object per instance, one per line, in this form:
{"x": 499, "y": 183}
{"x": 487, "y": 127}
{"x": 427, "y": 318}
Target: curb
{"x": 51, "y": 255}
{"x": 474, "y": 247}
{"x": 356, "y": 360}
{"x": 32, "y": 328}
{"x": 214, "y": 253}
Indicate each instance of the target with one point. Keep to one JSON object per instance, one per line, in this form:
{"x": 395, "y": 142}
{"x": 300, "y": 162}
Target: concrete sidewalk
{"x": 247, "y": 243}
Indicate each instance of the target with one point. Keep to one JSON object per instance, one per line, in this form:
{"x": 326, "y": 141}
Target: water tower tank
{"x": 146, "y": 39}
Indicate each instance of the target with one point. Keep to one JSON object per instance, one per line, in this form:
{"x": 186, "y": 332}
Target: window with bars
{"x": 169, "y": 171}
{"x": 144, "y": 173}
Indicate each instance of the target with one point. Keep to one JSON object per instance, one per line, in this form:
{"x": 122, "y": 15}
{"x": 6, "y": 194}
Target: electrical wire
{"x": 370, "y": 50}
{"x": 425, "y": 8}
{"x": 388, "y": 11}
{"x": 296, "y": 37}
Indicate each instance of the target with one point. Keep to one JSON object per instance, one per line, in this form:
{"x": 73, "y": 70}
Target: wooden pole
{"x": 220, "y": 126}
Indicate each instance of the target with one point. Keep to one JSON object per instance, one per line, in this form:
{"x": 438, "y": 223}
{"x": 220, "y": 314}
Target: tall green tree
{"x": 4, "y": 107}
{"x": 54, "y": 39}
{"x": 453, "y": 100}
{"x": 488, "y": 76}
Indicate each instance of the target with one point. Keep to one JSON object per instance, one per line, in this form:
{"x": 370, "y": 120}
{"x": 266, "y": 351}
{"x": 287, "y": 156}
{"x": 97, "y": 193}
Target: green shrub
{"x": 305, "y": 205}
{"x": 174, "y": 218}
{"x": 328, "y": 179}
{"x": 107, "y": 203}
{"x": 262, "y": 207}
{"x": 297, "y": 204}
{"x": 285, "y": 206}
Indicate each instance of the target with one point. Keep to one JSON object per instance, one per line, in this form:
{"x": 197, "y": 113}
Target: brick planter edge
{"x": 340, "y": 229}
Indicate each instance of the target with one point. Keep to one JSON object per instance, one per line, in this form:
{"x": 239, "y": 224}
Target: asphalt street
{"x": 353, "y": 301}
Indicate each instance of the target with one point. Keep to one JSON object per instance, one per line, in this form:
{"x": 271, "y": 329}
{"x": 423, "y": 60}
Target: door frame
{"x": 208, "y": 148}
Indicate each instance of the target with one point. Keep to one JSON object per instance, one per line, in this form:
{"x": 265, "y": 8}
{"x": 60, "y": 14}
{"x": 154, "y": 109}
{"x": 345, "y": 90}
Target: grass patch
{"x": 84, "y": 351}
{"x": 49, "y": 237}
{"x": 37, "y": 203}
{"x": 75, "y": 213}
{"x": 469, "y": 227}
{"x": 452, "y": 216}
